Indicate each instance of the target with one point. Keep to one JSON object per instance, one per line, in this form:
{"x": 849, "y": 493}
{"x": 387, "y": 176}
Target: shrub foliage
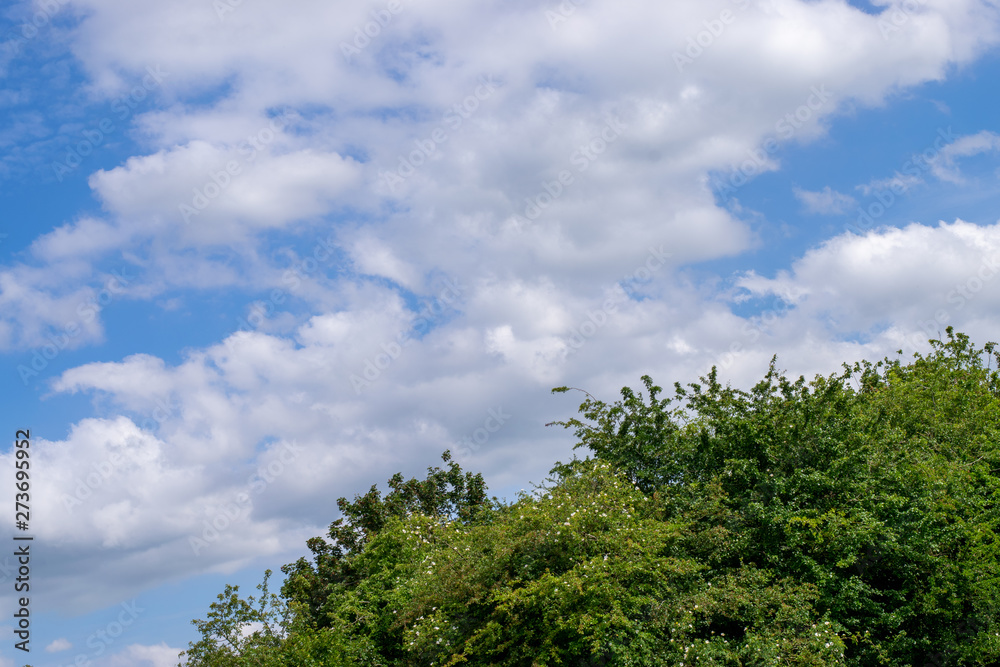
{"x": 849, "y": 520}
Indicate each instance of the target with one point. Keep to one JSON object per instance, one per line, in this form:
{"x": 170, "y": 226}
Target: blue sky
{"x": 239, "y": 238}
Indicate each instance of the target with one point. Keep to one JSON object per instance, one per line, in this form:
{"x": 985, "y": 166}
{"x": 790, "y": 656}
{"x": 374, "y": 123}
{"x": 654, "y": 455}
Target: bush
{"x": 850, "y": 520}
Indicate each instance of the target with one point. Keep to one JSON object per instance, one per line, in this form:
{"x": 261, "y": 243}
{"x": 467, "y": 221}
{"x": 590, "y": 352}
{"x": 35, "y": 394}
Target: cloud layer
{"x": 490, "y": 201}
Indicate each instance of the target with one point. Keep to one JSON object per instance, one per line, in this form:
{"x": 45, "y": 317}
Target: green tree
{"x": 875, "y": 485}
{"x": 237, "y": 632}
{"x": 848, "y": 520}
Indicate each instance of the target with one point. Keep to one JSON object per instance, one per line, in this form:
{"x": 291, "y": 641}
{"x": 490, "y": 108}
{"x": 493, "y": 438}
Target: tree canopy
{"x": 847, "y": 520}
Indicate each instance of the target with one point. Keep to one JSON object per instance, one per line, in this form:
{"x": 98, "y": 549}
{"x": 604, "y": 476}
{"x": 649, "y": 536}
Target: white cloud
{"x": 898, "y": 182}
{"x": 915, "y": 279}
{"x": 359, "y": 389}
{"x": 825, "y": 202}
{"x": 47, "y": 307}
{"x": 348, "y": 121}
{"x": 165, "y": 500}
{"x": 138, "y": 655}
{"x": 514, "y": 141}
{"x": 939, "y": 159}
{"x": 211, "y": 195}
{"x": 944, "y": 166}
{"x": 58, "y": 645}
{"x": 373, "y": 257}
{"x": 86, "y": 237}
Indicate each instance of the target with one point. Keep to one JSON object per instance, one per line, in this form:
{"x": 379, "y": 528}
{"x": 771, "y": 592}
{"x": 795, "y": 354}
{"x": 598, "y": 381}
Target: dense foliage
{"x": 850, "y": 520}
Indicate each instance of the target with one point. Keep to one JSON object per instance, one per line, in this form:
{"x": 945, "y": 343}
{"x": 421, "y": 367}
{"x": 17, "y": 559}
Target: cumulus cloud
{"x": 501, "y": 150}
{"x": 223, "y": 455}
{"x": 84, "y": 238}
{"x": 916, "y": 280}
{"x": 300, "y": 130}
{"x": 215, "y": 195}
{"x": 541, "y": 168}
{"x": 43, "y": 307}
{"x": 139, "y": 655}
